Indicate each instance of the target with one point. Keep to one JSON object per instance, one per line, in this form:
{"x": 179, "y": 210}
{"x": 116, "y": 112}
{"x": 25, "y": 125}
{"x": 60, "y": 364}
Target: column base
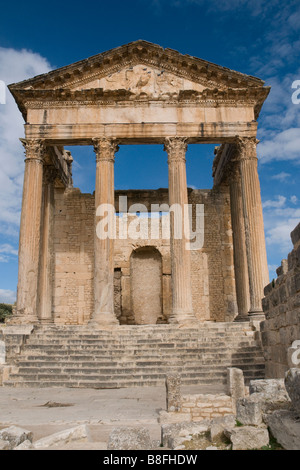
{"x": 242, "y": 317}
{"x": 22, "y": 320}
{"x": 181, "y": 319}
{"x": 103, "y": 320}
{"x": 257, "y": 315}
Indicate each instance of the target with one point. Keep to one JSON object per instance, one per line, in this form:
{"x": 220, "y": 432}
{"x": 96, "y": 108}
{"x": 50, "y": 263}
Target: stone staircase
{"x": 129, "y": 356}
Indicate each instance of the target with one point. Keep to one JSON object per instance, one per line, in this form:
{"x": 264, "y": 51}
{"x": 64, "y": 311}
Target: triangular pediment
{"x": 140, "y": 69}
{"x": 140, "y": 79}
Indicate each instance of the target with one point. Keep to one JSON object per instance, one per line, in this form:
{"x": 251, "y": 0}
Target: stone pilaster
{"x": 45, "y": 276}
{"x": 254, "y": 226}
{"x": 30, "y": 233}
{"x": 182, "y": 310}
{"x": 239, "y": 242}
{"x": 105, "y": 150}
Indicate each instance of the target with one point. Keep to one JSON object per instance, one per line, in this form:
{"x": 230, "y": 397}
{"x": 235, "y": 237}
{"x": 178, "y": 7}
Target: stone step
{"x": 107, "y": 384}
{"x": 41, "y": 359}
{"x": 134, "y": 356}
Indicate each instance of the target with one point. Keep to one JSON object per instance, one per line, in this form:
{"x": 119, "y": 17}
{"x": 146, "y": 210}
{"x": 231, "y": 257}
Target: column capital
{"x": 245, "y": 148}
{"x": 176, "y": 148}
{"x": 105, "y": 149}
{"x": 34, "y": 149}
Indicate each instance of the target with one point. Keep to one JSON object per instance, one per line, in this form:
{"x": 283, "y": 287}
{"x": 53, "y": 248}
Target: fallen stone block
{"x": 249, "y": 410}
{"x": 26, "y": 445}
{"x": 63, "y": 437}
{"x": 171, "y": 432}
{"x": 15, "y": 435}
{"x": 218, "y": 425}
{"x": 269, "y": 387}
{"x": 292, "y": 384}
{"x": 129, "y": 439}
{"x": 248, "y": 437}
{"x": 285, "y": 427}
{"x": 4, "y": 445}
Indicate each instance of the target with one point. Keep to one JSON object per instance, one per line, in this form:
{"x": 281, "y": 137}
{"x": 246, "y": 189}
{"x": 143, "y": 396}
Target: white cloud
{"x": 294, "y": 199}
{"x": 7, "y": 296}
{"x": 282, "y": 146}
{"x": 282, "y": 177}
{"x": 277, "y": 203}
{"x": 15, "y": 65}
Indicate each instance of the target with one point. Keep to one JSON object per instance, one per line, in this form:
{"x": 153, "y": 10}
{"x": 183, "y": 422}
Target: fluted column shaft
{"x": 254, "y": 226}
{"x": 45, "y": 277}
{"x": 30, "y": 232}
{"x": 180, "y": 255}
{"x": 105, "y": 150}
{"x": 239, "y": 243}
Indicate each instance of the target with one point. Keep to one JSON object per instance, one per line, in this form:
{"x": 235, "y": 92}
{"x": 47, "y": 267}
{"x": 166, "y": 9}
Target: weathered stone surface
{"x": 170, "y": 432}
{"x": 15, "y": 435}
{"x": 218, "y": 425}
{"x": 129, "y": 439}
{"x": 2, "y": 352}
{"x": 235, "y": 383}
{"x": 248, "y": 437}
{"x": 292, "y": 384}
{"x": 5, "y": 445}
{"x": 295, "y": 235}
{"x": 173, "y": 389}
{"x": 73, "y": 434}
{"x": 282, "y": 309}
{"x": 285, "y": 427}
{"x": 269, "y": 387}
{"x": 249, "y": 412}
{"x": 26, "y": 445}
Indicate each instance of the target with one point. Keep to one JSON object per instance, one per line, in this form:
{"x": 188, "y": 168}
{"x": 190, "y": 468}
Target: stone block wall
{"x": 213, "y": 283}
{"x": 281, "y": 306}
{"x": 206, "y": 406}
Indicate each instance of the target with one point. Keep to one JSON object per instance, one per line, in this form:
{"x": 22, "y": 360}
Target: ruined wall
{"x": 281, "y": 306}
{"x": 213, "y": 287}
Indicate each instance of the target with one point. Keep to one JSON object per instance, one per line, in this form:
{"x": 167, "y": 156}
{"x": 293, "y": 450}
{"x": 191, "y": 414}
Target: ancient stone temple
{"x": 140, "y": 94}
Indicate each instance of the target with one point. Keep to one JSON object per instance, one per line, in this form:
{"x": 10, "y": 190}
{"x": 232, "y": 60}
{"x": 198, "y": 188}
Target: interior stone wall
{"x": 213, "y": 284}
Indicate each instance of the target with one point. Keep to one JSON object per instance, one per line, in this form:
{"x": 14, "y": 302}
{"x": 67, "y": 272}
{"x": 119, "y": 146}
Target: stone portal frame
{"x": 174, "y": 100}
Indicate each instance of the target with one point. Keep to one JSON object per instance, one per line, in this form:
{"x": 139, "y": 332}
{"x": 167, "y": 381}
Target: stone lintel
{"x": 140, "y": 133}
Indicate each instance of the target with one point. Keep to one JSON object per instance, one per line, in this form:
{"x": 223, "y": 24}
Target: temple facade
{"x": 176, "y": 255}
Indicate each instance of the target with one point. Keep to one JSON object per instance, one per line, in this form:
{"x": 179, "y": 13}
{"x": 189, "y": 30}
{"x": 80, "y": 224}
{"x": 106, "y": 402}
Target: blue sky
{"x": 256, "y": 37}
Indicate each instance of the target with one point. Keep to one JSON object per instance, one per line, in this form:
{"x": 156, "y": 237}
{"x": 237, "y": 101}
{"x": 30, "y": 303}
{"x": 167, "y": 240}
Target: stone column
{"x": 105, "y": 150}
{"x": 239, "y": 242}
{"x": 254, "y": 226}
{"x": 45, "y": 277}
{"x": 30, "y": 233}
{"x": 182, "y": 310}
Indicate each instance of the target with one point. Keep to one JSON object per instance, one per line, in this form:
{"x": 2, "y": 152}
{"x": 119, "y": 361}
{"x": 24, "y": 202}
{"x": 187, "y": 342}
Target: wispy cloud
{"x": 7, "y": 296}
{"x": 282, "y": 177}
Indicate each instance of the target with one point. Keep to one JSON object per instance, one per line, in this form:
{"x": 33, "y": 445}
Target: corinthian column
{"x": 30, "y": 233}
{"x": 182, "y": 310}
{"x": 239, "y": 242}
{"x": 254, "y": 226}
{"x": 105, "y": 150}
{"x": 45, "y": 277}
